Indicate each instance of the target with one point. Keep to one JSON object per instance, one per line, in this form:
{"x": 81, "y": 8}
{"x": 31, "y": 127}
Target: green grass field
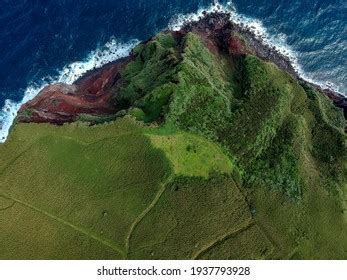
{"x": 192, "y": 155}
{"x": 213, "y": 158}
{"x": 190, "y": 217}
{"x": 88, "y": 186}
{"x": 92, "y": 186}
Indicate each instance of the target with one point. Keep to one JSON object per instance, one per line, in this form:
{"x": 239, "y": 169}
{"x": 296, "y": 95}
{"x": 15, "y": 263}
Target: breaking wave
{"x": 278, "y": 41}
{"x": 114, "y": 50}
{"x": 111, "y": 51}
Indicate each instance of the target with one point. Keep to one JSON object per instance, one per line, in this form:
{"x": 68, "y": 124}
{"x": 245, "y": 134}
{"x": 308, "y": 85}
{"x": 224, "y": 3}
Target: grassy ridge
{"x": 224, "y": 152}
{"x": 204, "y": 92}
{"x": 284, "y": 138}
{"x": 148, "y": 80}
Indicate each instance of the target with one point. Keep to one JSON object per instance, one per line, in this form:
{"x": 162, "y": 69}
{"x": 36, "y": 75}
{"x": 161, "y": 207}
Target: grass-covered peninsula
{"x": 208, "y": 149}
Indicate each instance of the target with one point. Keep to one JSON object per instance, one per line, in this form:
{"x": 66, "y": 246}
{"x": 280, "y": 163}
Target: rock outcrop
{"x": 94, "y": 93}
{"x": 60, "y": 103}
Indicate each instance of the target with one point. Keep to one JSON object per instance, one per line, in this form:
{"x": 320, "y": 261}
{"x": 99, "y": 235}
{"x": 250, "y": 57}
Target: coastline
{"x": 255, "y": 40}
{"x": 269, "y": 52}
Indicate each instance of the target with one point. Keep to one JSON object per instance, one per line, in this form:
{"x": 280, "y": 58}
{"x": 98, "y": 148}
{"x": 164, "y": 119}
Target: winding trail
{"x": 246, "y": 225}
{"x": 9, "y": 206}
{"x": 142, "y": 215}
{"x": 68, "y": 224}
{"x": 14, "y": 159}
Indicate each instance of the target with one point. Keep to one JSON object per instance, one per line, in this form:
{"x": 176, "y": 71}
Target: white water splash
{"x": 278, "y": 41}
{"x": 111, "y": 51}
{"x": 114, "y": 50}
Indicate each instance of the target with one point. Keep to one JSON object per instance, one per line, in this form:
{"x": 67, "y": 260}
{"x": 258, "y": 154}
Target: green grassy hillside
{"x": 211, "y": 157}
{"x": 93, "y": 184}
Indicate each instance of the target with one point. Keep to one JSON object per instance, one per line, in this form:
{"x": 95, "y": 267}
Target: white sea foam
{"x": 114, "y": 50}
{"x": 111, "y": 51}
{"x": 279, "y": 41}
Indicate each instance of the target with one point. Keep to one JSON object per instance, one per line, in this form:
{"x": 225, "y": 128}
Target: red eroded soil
{"x": 236, "y": 46}
{"x": 61, "y": 103}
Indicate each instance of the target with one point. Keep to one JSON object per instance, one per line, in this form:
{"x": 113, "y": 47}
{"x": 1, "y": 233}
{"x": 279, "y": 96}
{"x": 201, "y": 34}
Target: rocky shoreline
{"x": 61, "y": 103}
{"x": 219, "y": 23}
{"x": 93, "y": 93}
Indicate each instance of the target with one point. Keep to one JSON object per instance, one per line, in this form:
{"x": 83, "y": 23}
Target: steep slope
{"x": 218, "y": 150}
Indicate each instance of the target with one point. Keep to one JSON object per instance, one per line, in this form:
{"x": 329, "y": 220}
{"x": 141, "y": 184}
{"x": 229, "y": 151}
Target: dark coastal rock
{"x": 338, "y": 99}
{"x": 94, "y": 92}
{"x": 237, "y": 39}
{"x": 222, "y": 35}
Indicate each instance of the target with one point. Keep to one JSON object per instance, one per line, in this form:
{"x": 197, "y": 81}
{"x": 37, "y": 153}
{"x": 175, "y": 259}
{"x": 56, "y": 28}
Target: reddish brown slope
{"x": 93, "y": 93}
{"x": 60, "y": 103}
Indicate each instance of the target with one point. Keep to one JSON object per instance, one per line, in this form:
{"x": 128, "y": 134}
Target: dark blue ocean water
{"x": 38, "y": 38}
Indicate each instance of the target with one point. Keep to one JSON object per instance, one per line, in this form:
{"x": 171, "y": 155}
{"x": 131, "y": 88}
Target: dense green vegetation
{"x": 210, "y": 157}
{"x": 149, "y": 78}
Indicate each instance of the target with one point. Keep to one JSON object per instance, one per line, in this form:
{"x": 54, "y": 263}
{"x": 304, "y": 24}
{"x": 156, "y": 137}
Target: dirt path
{"x": 246, "y": 225}
{"x": 142, "y": 215}
{"x": 68, "y": 224}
